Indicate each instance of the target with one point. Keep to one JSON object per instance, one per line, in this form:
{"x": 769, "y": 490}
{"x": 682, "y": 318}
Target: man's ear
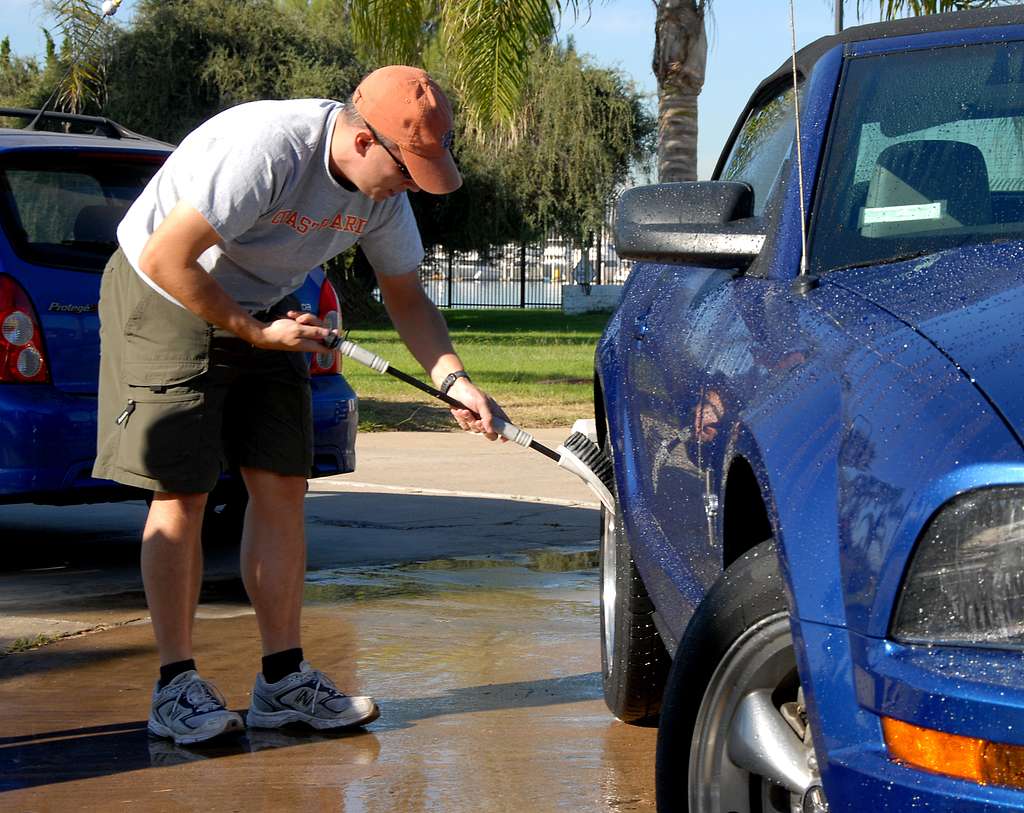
{"x": 363, "y": 141}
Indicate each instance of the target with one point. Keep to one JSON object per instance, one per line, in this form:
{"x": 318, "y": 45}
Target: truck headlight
{"x": 965, "y": 582}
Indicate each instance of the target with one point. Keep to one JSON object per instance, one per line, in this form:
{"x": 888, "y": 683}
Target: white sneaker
{"x": 189, "y": 710}
{"x": 307, "y": 696}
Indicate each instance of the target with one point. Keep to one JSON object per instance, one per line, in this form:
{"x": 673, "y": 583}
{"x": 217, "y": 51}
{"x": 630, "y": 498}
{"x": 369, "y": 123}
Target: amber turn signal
{"x": 982, "y": 761}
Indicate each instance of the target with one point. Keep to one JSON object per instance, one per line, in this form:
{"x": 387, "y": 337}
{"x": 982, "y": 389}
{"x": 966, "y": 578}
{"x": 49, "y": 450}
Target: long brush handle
{"x": 507, "y": 430}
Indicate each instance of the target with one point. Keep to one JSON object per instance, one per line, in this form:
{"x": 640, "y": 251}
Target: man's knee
{"x": 268, "y": 487}
{"x": 179, "y": 508}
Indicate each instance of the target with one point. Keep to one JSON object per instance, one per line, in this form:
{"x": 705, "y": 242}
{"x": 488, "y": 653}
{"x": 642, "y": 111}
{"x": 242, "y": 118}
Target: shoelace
{"x": 322, "y": 681}
{"x": 203, "y": 696}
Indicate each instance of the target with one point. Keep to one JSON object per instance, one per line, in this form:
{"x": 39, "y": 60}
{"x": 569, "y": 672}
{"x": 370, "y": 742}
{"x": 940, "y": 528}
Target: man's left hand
{"x": 469, "y": 394}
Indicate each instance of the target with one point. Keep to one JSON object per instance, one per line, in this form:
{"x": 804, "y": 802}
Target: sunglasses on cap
{"x": 401, "y": 167}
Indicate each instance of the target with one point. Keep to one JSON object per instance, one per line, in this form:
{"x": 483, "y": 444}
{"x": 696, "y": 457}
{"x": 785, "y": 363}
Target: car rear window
{"x": 927, "y": 153}
{"x": 62, "y": 208}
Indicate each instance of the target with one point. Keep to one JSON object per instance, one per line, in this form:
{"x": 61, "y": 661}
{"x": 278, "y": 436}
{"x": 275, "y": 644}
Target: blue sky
{"x": 748, "y": 39}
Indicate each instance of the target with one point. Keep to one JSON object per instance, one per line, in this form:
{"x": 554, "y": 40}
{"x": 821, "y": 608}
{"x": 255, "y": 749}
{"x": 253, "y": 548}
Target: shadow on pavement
{"x": 48, "y": 659}
{"x": 397, "y": 714}
{"x": 50, "y": 757}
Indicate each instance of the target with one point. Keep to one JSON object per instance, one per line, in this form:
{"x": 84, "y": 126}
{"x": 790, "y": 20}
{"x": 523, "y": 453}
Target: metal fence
{"x": 519, "y": 275}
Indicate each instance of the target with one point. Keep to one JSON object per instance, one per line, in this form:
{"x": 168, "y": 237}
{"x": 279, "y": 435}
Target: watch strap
{"x": 451, "y": 378}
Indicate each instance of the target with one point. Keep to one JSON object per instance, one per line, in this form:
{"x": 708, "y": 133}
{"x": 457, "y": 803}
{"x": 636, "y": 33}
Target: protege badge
{"x": 60, "y": 307}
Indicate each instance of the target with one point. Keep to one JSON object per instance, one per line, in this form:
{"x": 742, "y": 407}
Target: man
{"x": 203, "y": 357}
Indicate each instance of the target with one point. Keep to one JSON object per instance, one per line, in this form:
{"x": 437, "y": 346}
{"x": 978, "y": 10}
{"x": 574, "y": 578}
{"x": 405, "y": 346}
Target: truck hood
{"x": 969, "y": 302}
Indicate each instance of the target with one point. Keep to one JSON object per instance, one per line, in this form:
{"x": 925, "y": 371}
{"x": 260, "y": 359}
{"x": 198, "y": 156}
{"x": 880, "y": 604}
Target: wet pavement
{"x": 472, "y": 619}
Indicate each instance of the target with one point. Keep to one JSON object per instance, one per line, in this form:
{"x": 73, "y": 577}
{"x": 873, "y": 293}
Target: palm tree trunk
{"x": 677, "y": 134}
{"x": 680, "y": 59}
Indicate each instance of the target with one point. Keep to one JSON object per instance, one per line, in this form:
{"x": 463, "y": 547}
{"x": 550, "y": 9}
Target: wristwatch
{"x": 451, "y": 378}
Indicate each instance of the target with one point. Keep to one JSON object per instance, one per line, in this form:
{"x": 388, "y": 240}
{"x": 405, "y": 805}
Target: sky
{"x": 747, "y": 40}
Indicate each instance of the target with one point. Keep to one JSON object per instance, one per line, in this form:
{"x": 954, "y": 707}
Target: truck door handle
{"x": 640, "y": 328}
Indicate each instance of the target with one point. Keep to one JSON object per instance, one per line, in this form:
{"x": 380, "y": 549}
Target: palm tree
{"x": 680, "y": 59}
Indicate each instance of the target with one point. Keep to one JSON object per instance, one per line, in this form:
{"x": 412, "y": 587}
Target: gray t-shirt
{"x": 259, "y": 174}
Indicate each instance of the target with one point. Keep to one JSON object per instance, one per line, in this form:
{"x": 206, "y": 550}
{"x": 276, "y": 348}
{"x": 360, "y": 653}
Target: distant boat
{"x": 487, "y": 273}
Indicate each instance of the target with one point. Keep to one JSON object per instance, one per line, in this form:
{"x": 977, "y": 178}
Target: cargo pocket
{"x": 162, "y": 421}
{"x": 161, "y": 429}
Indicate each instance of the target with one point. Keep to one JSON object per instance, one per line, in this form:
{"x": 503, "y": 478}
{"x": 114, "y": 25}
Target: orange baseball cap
{"x": 405, "y": 105}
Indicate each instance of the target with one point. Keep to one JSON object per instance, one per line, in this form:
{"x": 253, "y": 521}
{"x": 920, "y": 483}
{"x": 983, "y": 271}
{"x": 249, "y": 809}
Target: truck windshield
{"x": 926, "y": 154}
{"x": 62, "y": 208}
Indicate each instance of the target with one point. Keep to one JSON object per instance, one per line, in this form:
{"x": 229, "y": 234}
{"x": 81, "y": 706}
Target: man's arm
{"x": 425, "y": 333}
{"x": 169, "y": 259}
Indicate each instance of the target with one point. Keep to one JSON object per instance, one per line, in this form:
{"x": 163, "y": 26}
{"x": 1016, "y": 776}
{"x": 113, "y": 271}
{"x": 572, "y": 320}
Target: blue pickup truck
{"x": 815, "y": 578}
{"x": 62, "y": 195}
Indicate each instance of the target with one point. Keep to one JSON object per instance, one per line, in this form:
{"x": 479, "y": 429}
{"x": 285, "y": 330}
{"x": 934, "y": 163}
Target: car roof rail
{"x": 101, "y": 125}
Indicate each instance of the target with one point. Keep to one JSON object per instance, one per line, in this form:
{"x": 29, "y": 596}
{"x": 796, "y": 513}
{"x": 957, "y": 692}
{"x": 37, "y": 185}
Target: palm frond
{"x": 891, "y": 9}
{"x": 489, "y": 43}
{"x": 78, "y": 21}
{"x": 393, "y": 31}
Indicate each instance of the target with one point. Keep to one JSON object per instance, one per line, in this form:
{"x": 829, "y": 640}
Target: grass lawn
{"x": 538, "y": 364}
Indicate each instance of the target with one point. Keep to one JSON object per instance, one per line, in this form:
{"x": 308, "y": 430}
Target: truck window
{"x": 761, "y": 148}
{"x": 927, "y": 154}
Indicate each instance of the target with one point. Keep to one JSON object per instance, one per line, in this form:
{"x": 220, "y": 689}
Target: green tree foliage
{"x": 182, "y": 61}
{"x": 486, "y": 45}
{"x": 18, "y": 77}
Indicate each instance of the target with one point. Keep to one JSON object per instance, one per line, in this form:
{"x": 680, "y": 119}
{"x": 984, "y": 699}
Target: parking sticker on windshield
{"x": 903, "y": 214}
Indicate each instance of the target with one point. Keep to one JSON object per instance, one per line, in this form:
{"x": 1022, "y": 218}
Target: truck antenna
{"x": 805, "y": 281}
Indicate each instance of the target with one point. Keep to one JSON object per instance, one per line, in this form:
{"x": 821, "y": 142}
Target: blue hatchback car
{"x": 62, "y": 195}
{"x": 816, "y": 574}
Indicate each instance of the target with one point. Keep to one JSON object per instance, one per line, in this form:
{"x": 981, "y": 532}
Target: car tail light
{"x": 22, "y": 358}
{"x": 328, "y": 362}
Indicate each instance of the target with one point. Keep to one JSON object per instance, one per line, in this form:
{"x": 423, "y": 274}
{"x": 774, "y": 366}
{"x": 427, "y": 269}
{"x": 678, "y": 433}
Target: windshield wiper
{"x": 899, "y": 258}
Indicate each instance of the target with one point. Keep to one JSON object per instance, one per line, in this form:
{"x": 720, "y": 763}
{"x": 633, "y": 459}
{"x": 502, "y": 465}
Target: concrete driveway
{"x": 453, "y": 579}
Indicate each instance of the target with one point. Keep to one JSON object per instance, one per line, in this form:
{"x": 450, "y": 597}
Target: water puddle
{"x": 563, "y": 568}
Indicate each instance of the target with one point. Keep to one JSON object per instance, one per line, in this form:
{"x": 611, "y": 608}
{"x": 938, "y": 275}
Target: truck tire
{"x": 634, "y": 661}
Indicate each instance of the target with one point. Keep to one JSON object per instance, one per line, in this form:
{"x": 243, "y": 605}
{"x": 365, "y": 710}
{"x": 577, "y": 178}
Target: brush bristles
{"x": 591, "y": 456}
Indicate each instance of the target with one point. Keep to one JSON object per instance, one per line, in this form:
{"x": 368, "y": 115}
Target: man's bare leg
{"x": 172, "y": 565}
{"x": 274, "y": 567}
{"x": 274, "y": 555}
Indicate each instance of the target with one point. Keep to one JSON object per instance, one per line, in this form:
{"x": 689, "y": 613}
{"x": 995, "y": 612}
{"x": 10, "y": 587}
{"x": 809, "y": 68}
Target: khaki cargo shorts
{"x": 181, "y": 401}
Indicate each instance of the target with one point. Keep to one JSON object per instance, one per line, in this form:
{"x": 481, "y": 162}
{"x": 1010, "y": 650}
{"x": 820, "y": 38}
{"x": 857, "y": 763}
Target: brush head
{"x": 592, "y": 456}
{"x": 586, "y": 459}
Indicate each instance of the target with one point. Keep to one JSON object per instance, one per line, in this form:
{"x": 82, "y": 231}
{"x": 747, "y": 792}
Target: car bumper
{"x": 48, "y": 442}
{"x": 854, "y": 681}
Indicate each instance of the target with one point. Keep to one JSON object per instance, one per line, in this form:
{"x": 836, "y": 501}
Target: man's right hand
{"x": 290, "y": 334}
